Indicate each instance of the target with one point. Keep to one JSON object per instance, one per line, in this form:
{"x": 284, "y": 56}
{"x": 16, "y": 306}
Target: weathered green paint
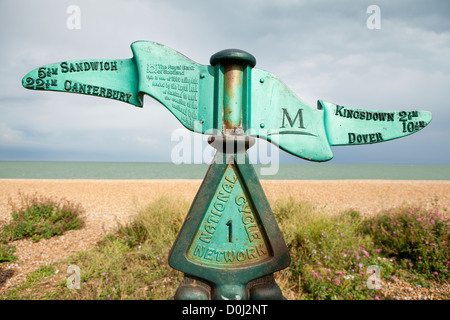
{"x": 347, "y": 126}
{"x": 283, "y": 119}
{"x": 227, "y": 94}
{"x": 115, "y": 79}
{"x": 184, "y": 87}
{"x": 230, "y": 236}
{"x": 229, "y": 245}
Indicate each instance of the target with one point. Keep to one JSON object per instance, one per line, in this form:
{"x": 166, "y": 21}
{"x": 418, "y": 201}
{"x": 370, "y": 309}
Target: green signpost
{"x": 229, "y": 245}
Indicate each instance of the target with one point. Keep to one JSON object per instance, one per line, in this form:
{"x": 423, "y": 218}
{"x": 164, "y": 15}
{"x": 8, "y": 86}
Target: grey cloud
{"x": 320, "y": 49}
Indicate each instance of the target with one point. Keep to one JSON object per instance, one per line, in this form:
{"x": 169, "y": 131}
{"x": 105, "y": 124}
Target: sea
{"x": 147, "y": 170}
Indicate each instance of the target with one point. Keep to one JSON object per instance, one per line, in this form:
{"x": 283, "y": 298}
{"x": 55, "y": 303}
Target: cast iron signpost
{"x": 229, "y": 245}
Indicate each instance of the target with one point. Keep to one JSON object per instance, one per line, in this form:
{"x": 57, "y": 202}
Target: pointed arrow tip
{"x": 427, "y": 116}
{"x": 353, "y": 126}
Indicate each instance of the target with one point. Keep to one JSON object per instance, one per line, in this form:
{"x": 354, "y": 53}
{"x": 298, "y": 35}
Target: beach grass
{"x": 40, "y": 217}
{"x": 334, "y": 255}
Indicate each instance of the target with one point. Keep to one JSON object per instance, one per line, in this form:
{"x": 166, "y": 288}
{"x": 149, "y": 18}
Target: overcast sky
{"x": 319, "y": 49}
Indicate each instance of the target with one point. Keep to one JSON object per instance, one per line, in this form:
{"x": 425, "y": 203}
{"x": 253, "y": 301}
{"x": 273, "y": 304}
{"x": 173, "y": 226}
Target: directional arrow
{"x": 346, "y": 126}
{"x": 194, "y": 94}
{"x": 285, "y": 120}
{"x": 113, "y": 79}
{"x": 184, "y": 87}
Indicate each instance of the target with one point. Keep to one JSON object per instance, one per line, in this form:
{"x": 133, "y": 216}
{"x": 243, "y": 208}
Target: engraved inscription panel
{"x": 177, "y": 86}
{"x": 91, "y": 77}
{"x": 403, "y": 122}
{"x": 353, "y": 126}
{"x": 230, "y": 234}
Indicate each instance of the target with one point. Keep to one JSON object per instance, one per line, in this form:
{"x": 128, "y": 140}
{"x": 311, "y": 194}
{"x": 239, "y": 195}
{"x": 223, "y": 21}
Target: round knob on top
{"x": 233, "y": 56}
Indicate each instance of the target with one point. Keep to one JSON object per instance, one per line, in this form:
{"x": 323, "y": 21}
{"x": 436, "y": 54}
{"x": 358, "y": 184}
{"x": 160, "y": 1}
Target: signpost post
{"x": 229, "y": 245}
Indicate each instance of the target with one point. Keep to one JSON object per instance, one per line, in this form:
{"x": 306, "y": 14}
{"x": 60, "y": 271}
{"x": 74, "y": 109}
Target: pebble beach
{"x": 109, "y": 202}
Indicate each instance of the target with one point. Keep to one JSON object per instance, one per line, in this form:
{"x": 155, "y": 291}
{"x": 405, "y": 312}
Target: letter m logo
{"x": 287, "y": 116}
